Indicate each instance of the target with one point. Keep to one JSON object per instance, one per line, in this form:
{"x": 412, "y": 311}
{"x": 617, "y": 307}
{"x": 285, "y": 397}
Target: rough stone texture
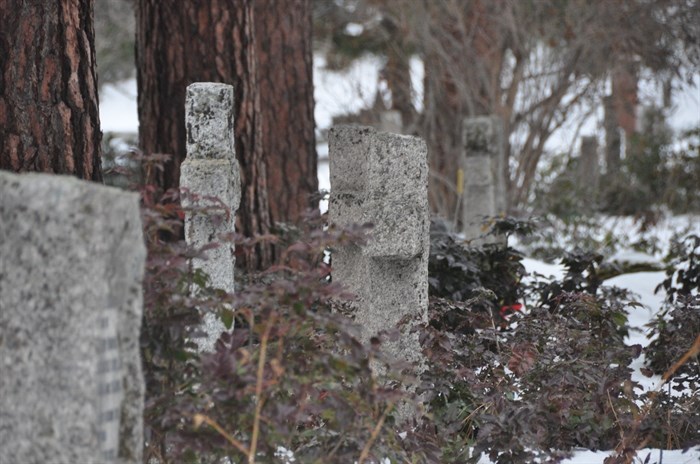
{"x": 211, "y": 172}
{"x": 382, "y": 179}
{"x": 209, "y": 118}
{"x": 71, "y": 265}
{"x": 589, "y": 166}
{"x": 482, "y": 161}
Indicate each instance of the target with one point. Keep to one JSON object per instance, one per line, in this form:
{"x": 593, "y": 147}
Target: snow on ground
{"x": 642, "y": 284}
{"x": 656, "y": 457}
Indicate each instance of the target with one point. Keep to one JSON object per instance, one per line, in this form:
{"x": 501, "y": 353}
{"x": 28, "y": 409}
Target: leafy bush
{"x": 292, "y": 379}
{"x": 676, "y": 418}
{"x": 554, "y": 379}
{"x": 459, "y": 272}
{"x": 292, "y": 376}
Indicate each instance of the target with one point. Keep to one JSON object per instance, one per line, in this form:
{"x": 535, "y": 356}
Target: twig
{"x": 617, "y": 419}
{"x": 258, "y": 390}
{"x": 692, "y": 352}
{"x": 201, "y": 418}
{"x": 493, "y": 325}
{"x": 375, "y": 434}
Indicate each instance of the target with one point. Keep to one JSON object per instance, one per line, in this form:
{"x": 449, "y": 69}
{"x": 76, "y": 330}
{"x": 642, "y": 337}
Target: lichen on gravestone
{"x": 210, "y": 179}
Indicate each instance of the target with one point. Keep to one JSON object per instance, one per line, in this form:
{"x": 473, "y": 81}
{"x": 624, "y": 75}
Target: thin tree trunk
{"x": 463, "y": 56}
{"x": 398, "y": 72}
{"x": 285, "y": 86}
{"x": 49, "y": 119}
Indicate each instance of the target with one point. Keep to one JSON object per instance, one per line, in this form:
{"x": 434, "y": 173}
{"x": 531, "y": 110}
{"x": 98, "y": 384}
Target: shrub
{"x": 291, "y": 378}
{"x": 459, "y": 272}
{"x": 675, "y": 419}
{"x": 552, "y": 379}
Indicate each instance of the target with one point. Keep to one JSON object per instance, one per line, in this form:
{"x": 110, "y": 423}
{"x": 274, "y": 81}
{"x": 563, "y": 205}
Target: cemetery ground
{"x": 527, "y": 360}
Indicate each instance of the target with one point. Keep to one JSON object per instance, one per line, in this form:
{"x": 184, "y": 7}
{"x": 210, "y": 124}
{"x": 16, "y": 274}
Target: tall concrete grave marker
{"x": 482, "y": 162}
{"x": 382, "y": 179}
{"x": 211, "y": 172}
{"x": 71, "y": 268}
{"x": 589, "y": 165}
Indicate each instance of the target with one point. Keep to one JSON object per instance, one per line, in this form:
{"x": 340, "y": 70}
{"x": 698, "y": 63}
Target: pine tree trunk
{"x": 179, "y": 43}
{"x": 49, "y": 119}
{"x": 183, "y": 42}
{"x": 283, "y": 36}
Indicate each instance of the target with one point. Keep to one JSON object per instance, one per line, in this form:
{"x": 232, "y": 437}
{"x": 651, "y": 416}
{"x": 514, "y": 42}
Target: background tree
{"x": 537, "y": 65}
{"x": 285, "y": 85}
{"x": 180, "y": 43}
{"x": 115, "y": 26}
{"x": 49, "y": 120}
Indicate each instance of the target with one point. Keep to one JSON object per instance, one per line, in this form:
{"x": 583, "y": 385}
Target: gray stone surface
{"x": 482, "y": 161}
{"x": 71, "y": 266}
{"x": 613, "y": 136}
{"x": 382, "y": 178}
{"x": 589, "y": 165}
{"x": 209, "y": 118}
{"x": 210, "y": 177}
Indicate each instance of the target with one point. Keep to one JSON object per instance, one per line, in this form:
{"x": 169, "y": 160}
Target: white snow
{"x": 346, "y": 91}
{"x": 657, "y": 457}
{"x": 118, "y": 107}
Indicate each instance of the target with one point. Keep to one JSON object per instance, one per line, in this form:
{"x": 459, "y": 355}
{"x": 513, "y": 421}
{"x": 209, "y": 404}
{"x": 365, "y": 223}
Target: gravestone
{"x": 210, "y": 178}
{"x": 589, "y": 166}
{"x": 382, "y": 179}
{"x": 71, "y": 268}
{"x": 482, "y": 163}
{"x": 613, "y": 137}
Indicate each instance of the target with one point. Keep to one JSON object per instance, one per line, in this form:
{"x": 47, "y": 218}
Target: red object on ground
{"x": 508, "y": 309}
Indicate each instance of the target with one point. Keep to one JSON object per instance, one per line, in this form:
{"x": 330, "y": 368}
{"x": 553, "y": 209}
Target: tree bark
{"x": 179, "y": 43}
{"x": 49, "y": 119}
{"x": 183, "y": 42}
{"x": 285, "y": 66}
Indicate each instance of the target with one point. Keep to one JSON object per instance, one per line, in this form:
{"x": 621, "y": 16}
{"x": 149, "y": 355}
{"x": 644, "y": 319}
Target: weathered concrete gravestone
{"x": 382, "y": 178}
{"x": 482, "y": 163}
{"x": 211, "y": 172}
{"x": 589, "y": 164}
{"x": 71, "y": 265}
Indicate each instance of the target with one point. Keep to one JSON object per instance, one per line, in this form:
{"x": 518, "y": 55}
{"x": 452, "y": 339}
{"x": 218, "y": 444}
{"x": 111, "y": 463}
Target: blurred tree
{"x": 49, "y": 120}
{"x": 180, "y": 43}
{"x": 115, "y": 26}
{"x": 534, "y": 64}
